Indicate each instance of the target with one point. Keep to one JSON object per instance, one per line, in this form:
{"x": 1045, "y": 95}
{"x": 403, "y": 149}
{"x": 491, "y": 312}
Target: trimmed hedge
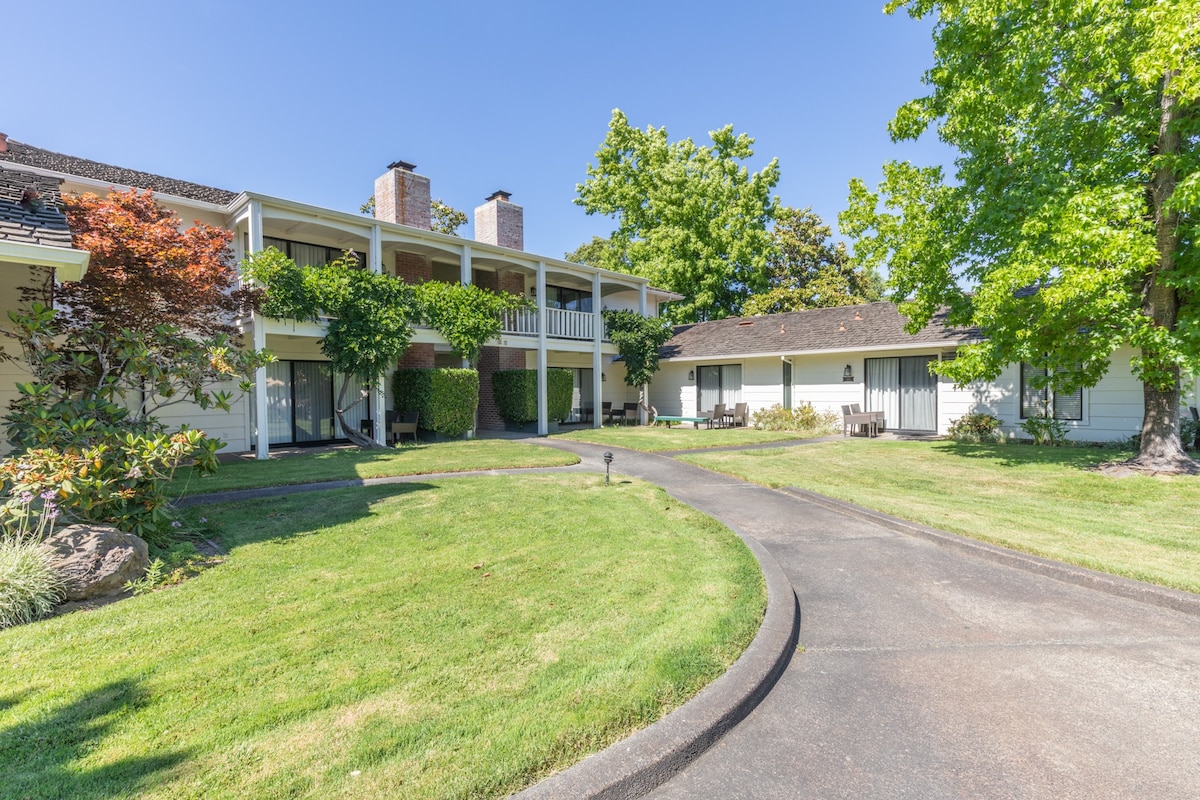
{"x": 446, "y": 399}
{"x": 515, "y": 391}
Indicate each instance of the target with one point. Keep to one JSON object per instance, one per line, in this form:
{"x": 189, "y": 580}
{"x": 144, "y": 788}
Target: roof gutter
{"x": 68, "y": 264}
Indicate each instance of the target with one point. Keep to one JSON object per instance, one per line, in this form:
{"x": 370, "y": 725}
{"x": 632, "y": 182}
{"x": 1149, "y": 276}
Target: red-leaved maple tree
{"x": 146, "y": 270}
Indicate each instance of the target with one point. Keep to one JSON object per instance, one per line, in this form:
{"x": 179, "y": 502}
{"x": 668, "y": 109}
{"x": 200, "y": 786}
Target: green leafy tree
{"x": 808, "y": 270}
{"x": 467, "y": 316}
{"x": 604, "y": 253}
{"x": 443, "y": 218}
{"x": 691, "y": 219}
{"x": 369, "y": 323}
{"x": 638, "y": 340}
{"x": 1069, "y": 227}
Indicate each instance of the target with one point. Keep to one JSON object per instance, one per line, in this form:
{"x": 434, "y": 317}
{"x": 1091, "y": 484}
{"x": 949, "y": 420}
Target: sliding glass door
{"x": 720, "y": 383}
{"x": 300, "y": 402}
{"x": 905, "y": 391}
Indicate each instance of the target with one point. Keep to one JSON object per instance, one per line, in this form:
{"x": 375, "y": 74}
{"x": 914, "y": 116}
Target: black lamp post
{"x": 607, "y": 462}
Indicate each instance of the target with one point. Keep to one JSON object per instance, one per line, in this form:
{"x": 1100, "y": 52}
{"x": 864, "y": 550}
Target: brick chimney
{"x": 3, "y": 142}
{"x": 402, "y": 196}
{"x": 500, "y": 222}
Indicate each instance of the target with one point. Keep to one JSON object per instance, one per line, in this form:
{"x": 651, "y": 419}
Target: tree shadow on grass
{"x": 1016, "y": 454}
{"x": 300, "y": 513}
{"x": 40, "y": 757}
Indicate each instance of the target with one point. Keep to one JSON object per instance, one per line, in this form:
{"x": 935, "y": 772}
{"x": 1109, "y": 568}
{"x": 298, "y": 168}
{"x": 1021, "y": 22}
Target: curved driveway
{"x": 928, "y": 672}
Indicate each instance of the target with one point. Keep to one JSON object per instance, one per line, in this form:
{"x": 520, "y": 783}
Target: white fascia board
{"x": 69, "y": 264}
{"x": 887, "y": 348}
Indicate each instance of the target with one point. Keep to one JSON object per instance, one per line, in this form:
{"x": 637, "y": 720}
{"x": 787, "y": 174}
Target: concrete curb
{"x": 1161, "y": 596}
{"x": 634, "y": 766}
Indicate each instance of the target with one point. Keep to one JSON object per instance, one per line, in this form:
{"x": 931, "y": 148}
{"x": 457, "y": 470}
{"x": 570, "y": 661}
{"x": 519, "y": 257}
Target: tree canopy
{"x": 369, "y": 316}
{"x": 691, "y": 219}
{"x": 1068, "y": 228}
{"x": 638, "y": 340}
{"x": 806, "y": 269}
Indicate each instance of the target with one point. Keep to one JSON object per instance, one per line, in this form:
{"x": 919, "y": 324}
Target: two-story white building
{"x": 295, "y": 395}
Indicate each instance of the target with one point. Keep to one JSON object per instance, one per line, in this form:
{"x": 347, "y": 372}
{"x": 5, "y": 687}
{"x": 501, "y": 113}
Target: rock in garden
{"x": 97, "y": 560}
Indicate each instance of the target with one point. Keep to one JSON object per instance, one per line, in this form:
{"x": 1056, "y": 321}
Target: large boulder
{"x": 97, "y": 560}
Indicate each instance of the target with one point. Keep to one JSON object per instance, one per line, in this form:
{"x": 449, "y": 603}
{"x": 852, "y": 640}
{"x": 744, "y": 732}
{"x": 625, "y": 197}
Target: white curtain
{"x": 279, "y": 402}
{"x": 731, "y": 385}
{"x": 709, "y": 386}
{"x": 918, "y": 394}
{"x": 883, "y": 389}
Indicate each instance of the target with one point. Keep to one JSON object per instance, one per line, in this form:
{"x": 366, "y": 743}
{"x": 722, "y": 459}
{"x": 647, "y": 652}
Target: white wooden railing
{"x": 560, "y": 324}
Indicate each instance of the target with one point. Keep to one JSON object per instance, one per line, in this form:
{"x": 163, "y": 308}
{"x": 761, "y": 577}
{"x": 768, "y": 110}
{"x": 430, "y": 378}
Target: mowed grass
{"x": 347, "y": 464}
{"x": 653, "y": 439}
{"x": 1046, "y": 501}
{"x": 450, "y": 638}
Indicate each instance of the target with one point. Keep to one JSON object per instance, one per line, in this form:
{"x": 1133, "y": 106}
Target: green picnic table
{"x": 694, "y": 420}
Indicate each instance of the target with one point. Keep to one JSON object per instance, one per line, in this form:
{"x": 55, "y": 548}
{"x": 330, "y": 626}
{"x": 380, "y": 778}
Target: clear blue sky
{"x": 310, "y": 101}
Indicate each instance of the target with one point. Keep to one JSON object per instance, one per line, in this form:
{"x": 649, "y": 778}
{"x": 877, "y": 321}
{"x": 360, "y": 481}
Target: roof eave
{"x": 68, "y": 264}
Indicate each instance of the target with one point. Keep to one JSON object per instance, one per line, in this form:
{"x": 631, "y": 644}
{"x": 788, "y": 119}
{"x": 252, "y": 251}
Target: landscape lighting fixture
{"x": 607, "y": 461}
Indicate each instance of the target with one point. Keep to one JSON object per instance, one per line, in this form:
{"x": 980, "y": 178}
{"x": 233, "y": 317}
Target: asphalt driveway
{"x": 926, "y": 671}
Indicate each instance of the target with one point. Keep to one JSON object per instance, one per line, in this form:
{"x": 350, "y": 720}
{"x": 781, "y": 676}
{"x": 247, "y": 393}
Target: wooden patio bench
{"x": 667, "y": 419}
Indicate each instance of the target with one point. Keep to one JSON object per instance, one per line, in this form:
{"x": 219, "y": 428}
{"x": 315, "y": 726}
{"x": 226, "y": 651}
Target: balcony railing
{"x": 560, "y": 324}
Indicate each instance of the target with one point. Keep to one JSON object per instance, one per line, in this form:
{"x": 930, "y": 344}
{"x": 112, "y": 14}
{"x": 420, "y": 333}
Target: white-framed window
{"x": 1038, "y": 399}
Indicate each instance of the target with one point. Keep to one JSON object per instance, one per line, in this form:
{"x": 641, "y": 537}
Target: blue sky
{"x": 311, "y": 101}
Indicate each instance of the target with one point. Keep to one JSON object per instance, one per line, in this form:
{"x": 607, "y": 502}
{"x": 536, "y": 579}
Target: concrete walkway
{"x": 928, "y": 671}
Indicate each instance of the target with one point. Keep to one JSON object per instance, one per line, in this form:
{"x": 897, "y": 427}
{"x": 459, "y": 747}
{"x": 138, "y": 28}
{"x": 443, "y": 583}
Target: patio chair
{"x": 863, "y": 421}
{"x": 718, "y": 415}
{"x": 855, "y": 408}
{"x": 406, "y": 425}
{"x": 630, "y": 412}
{"x": 741, "y": 414}
{"x": 611, "y": 414}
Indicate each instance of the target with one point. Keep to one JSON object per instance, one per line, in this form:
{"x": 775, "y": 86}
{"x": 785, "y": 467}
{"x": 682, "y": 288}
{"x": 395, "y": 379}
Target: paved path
{"x": 929, "y": 672}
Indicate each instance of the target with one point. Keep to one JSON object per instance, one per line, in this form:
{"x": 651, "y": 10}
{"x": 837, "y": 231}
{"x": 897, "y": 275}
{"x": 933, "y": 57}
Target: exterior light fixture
{"x": 848, "y": 375}
{"x": 691, "y": 374}
{"x": 607, "y": 462}
{"x": 603, "y": 377}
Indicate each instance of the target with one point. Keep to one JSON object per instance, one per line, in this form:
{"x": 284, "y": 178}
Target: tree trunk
{"x": 356, "y": 437}
{"x": 1161, "y": 450}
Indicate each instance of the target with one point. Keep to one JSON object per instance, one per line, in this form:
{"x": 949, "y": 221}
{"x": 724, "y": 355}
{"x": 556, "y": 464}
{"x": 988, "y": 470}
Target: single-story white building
{"x": 862, "y": 354}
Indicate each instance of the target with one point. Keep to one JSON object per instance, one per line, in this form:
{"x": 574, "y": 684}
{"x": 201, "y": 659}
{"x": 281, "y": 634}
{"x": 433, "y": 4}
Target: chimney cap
{"x": 499, "y": 194}
{"x": 404, "y": 165}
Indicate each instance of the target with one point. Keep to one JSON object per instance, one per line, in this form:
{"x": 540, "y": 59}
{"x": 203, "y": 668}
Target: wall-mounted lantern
{"x": 691, "y": 374}
{"x": 848, "y": 375}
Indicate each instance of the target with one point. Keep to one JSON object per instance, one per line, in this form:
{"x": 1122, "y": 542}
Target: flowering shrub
{"x": 121, "y": 482}
{"x": 801, "y": 418}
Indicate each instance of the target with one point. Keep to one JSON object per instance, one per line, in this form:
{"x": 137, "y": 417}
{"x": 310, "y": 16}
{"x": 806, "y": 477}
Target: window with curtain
{"x": 1037, "y": 400}
{"x": 308, "y": 255}
{"x": 721, "y": 383}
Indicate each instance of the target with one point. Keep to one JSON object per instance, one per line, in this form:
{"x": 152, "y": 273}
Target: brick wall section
{"x": 492, "y": 359}
{"x": 412, "y": 268}
{"x": 402, "y": 196}
{"x": 486, "y": 279}
{"x": 512, "y": 282}
{"x": 417, "y": 356}
{"x": 502, "y": 223}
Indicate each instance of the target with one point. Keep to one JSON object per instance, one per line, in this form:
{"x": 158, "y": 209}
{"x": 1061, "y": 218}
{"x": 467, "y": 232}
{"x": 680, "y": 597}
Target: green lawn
{"x": 334, "y": 465}
{"x": 449, "y": 638}
{"x": 1046, "y": 501}
{"x": 653, "y": 439}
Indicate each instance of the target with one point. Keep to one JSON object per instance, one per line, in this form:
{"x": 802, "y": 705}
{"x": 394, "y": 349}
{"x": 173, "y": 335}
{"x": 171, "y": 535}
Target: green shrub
{"x": 803, "y": 417}
{"x": 1046, "y": 430}
{"x": 30, "y": 587}
{"x": 121, "y": 482}
{"x": 446, "y": 399}
{"x": 976, "y": 428}
{"x": 515, "y": 391}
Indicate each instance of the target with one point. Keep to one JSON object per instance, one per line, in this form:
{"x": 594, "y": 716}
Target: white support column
{"x": 465, "y": 269}
{"x": 645, "y": 388}
{"x": 542, "y": 393}
{"x": 597, "y": 358}
{"x": 379, "y": 401}
{"x": 262, "y": 442}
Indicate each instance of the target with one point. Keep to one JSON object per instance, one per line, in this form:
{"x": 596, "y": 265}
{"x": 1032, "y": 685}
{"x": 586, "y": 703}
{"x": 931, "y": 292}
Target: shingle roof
{"x": 30, "y": 156}
{"x": 861, "y": 327}
{"x": 30, "y": 210}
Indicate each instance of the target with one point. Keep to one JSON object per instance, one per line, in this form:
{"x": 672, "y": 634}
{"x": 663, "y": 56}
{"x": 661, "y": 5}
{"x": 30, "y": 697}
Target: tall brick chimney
{"x": 3, "y": 142}
{"x": 500, "y": 222}
{"x": 402, "y": 196}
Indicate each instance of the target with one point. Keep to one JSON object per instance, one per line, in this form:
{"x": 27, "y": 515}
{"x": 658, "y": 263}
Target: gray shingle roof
{"x": 862, "y": 327}
{"x": 30, "y": 156}
{"x": 30, "y": 210}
